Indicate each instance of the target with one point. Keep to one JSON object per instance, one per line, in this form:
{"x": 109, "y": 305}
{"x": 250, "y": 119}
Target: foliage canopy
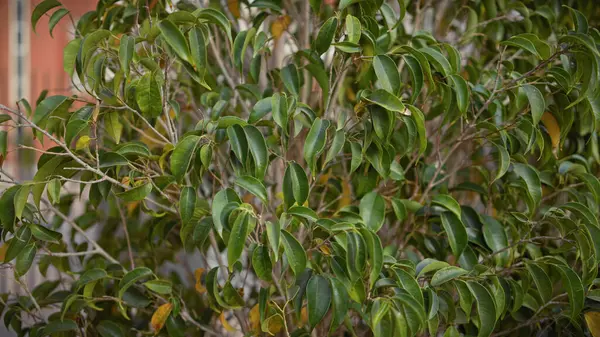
{"x": 386, "y": 168}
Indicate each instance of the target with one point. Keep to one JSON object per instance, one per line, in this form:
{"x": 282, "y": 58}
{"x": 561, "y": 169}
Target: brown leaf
{"x": 200, "y": 288}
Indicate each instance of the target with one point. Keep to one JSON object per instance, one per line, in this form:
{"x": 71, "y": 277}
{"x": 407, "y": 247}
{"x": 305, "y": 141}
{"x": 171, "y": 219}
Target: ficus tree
{"x": 309, "y": 168}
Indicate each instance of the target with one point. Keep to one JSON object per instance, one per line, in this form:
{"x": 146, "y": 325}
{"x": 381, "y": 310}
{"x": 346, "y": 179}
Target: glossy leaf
{"x": 175, "y": 39}
{"x": 294, "y": 252}
{"x": 318, "y": 293}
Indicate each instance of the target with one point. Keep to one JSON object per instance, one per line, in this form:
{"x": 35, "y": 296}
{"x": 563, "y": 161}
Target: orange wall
{"x": 46, "y": 56}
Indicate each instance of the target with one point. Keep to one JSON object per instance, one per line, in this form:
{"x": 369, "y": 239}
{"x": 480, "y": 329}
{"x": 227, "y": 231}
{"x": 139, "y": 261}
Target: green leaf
{"x": 261, "y": 262}
{"x": 109, "y": 329}
{"x": 315, "y": 142}
{"x": 182, "y": 155}
{"x": 17, "y": 243}
{"x": 339, "y": 139}
{"x": 386, "y": 100}
{"x": 419, "y": 120}
{"x": 536, "y": 101}
{"x": 319, "y": 73}
{"x": 429, "y": 265}
{"x": 580, "y": 21}
{"x": 239, "y": 47}
{"x": 356, "y": 255}
{"x": 387, "y": 73}
{"x": 131, "y": 277}
{"x": 575, "y": 289}
{"x": 258, "y": 150}
{"x": 495, "y": 237}
{"x": 238, "y": 142}
{"x": 148, "y": 96}
{"x": 50, "y": 106}
{"x": 372, "y": 210}
{"x": 253, "y": 186}
{"x": 353, "y": 29}
{"x": 542, "y": 281}
{"x": 159, "y": 286}
{"x": 133, "y": 149}
{"x": 448, "y": 203}
{"x": 318, "y": 293}
{"x": 446, "y": 274}
{"x": 291, "y": 79}
{"x": 126, "y": 50}
{"x": 437, "y": 59}
{"x": 70, "y": 55}
{"x": 25, "y": 259}
{"x": 91, "y": 275}
{"x": 78, "y": 122}
{"x": 295, "y": 185}
{"x": 237, "y": 238}
{"x": 187, "y": 203}
{"x": 456, "y": 231}
{"x": 41, "y": 9}
{"x": 325, "y": 35}
{"x": 303, "y": 212}
{"x": 214, "y": 16}
{"x": 279, "y": 109}
{"x": 375, "y": 251}
{"x": 274, "y": 236}
{"x": 416, "y": 73}
{"x": 55, "y": 18}
{"x": 504, "y": 163}
{"x": 21, "y": 200}
{"x": 199, "y": 53}
{"x": 57, "y": 326}
{"x": 533, "y": 183}
{"x": 340, "y": 302}
{"x": 486, "y": 309}
{"x": 383, "y": 122}
{"x": 90, "y": 43}
{"x": 3, "y": 144}
{"x": 462, "y": 92}
{"x": 592, "y": 183}
{"x": 137, "y": 193}
{"x": 222, "y": 199}
{"x": 44, "y": 234}
{"x": 113, "y": 126}
{"x": 294, "y": 252}
{"x": 195, "y": 233}
{"x": 175, "y": 39}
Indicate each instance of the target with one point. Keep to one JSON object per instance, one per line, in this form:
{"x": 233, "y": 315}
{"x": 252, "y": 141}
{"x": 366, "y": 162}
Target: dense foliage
{"x": 283, "y": 167}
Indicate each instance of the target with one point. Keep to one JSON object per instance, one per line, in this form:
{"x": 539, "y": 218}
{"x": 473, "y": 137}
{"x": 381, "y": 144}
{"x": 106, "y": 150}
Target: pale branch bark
{"x": 76, "y": 158}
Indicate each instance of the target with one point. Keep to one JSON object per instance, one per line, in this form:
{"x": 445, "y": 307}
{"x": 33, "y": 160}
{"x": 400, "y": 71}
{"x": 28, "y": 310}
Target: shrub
{"x": 295, "y": 167}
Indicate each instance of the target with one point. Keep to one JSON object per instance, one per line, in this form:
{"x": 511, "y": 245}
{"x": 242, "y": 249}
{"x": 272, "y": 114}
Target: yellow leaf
{"x": 553, "y": 129}
{"x": 3, "y": 249}
{"x": 254, "y": 319}
{"x": 234, "y": 7}
{"x": 159, "y": 318}
{"x": 592, "y": 318}
{"x": 303, "y": 317}
{"x": 325, "y": 250}
{"x": 273, "y": 324}
{"x": 131, "y": 206}
{"x": 201, "y": 289}
{"x": 346, "y": 198}
{"x": 82, "y": 143}
{"x": 325, "y": 178}
{"x": 279, "y": 26}
{"x": 226, "y": 324}
{"x": 96, "y": 112}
